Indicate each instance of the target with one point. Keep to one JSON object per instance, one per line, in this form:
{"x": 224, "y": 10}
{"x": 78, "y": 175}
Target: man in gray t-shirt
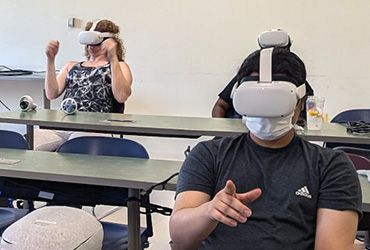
{"x": 268, "y": 189}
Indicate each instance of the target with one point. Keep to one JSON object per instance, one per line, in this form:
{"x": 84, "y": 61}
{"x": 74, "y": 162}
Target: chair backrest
{"x": 352, "y": 115}
{"x": 101, "y": 145}
{"x": 359, "y": 161}
{"x": 11, "y": 139}
{"x": 109, "y": 146}
{"x": 352, "y": 150}
{"x": 14, "y": 140}
{"x": 118, "y": 107}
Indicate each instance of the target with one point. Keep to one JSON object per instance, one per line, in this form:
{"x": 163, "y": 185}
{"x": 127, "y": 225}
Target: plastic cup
{"x": 315, "y": 111}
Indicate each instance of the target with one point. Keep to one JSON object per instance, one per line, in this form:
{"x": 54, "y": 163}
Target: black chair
{"x": 118, "y": 107}
{"x": 115, "y": 235}
{"x": 9, "y": 214}
{"x": 11, "y": 139}
{"x": 352, "y": 115}
{"x": 357, "y": 151}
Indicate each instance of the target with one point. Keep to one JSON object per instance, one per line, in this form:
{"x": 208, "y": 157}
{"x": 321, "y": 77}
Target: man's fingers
{"x": 230, "y": 188}
{"x": 227, "y": 217}
{"x": 229, "y": 208}
{"x": 250, "y": 196}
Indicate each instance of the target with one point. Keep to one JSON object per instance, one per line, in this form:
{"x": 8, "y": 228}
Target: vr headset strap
{"x": 301, "y": 91}
{"x": 102, "y": 34}
{"x": 266, "y": 65}
{"x": 94, "y": 25}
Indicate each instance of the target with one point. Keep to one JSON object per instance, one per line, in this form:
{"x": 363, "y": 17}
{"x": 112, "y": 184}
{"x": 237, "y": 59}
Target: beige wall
{"x": 182, "y": 53}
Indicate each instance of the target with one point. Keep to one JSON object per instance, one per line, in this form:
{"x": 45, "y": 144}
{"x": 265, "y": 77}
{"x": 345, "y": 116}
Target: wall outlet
{"x": 71, "y": 22}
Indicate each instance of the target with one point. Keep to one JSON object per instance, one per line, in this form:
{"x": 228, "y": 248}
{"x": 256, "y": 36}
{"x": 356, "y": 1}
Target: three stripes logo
{"x": 304, "y": 192}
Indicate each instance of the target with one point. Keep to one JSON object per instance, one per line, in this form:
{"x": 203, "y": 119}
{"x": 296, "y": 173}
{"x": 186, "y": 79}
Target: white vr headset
{"x": 93, "y": 37}
{"x": 274, "y": 38}
{"x": 266, "y": 97}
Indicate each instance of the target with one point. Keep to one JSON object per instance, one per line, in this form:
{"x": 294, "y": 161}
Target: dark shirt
{"x": 295, "y": 181}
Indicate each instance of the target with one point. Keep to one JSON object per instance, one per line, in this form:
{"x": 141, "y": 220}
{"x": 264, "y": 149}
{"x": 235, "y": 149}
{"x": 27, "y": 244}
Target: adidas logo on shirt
{"x": 304, "y": 192}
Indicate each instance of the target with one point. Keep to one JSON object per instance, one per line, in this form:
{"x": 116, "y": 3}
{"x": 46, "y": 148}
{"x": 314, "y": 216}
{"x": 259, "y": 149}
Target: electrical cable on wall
{"x": 4, "y": 105}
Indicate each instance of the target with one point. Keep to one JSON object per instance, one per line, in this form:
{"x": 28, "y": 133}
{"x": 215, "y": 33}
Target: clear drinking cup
{"x": 315, "y": 111}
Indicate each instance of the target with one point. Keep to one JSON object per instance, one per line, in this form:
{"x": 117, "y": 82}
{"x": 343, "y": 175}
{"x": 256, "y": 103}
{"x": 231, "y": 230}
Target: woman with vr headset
{"x": 98, "y": 84}
{"x": 269, "y": 188}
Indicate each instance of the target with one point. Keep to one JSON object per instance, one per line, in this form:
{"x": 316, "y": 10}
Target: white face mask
{"x": 269, "y": 129}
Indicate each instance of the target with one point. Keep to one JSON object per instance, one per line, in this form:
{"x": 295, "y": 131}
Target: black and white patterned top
{"x": 90, "y": 87}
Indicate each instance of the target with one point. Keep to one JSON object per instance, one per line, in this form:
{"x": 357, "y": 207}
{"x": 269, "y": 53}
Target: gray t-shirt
{"x": 295, "y": 181}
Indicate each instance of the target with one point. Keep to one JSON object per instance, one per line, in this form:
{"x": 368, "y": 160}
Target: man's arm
{"x": 189, "y": 207}
{"x": 224, "y": 102}
{"x": 220, "y": 108}
{"x": 335, "y": 229}
{"x": 195, "y": 216}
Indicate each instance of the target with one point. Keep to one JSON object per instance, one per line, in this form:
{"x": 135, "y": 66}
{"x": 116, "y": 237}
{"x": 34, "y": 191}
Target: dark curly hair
{"x": 283, "y": 62}
{"x": 108, "y": 26}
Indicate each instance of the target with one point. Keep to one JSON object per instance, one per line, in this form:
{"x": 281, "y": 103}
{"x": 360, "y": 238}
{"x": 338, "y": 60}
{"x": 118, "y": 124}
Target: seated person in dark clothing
{"x": 224, "y": 104}
{"x": 269, "y": 188}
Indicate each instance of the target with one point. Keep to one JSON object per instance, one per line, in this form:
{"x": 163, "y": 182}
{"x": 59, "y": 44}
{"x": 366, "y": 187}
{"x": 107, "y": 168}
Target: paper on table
{"x": 364, "y": 172}
{"x": 8, "y": 161}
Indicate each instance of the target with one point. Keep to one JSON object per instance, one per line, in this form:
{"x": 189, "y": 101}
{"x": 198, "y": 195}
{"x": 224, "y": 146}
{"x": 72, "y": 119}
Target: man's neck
{"x": 279, "y": 143}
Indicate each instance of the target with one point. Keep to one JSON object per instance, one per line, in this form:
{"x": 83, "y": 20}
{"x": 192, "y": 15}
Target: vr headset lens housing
{"x": 266, "y": 97}
{"x": 93, "y": 37}
{"x": 275, "y": 99}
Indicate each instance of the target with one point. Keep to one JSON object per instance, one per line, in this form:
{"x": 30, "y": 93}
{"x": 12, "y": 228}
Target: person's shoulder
{"x": 327, "y": 156}
{"x": 124, "y": 65}
{"x": 309, "y": 89}
{"x": 218, "y": 141}
{"x": 310, "y": 146}
{"x": 226, "y": 141}
{"x": 70, "y": 64}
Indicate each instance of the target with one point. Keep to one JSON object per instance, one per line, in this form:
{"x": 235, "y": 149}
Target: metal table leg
{"x": 29, "y": 131}
{"x": 46, "y": 100}
{"x": 133, "y": 210}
